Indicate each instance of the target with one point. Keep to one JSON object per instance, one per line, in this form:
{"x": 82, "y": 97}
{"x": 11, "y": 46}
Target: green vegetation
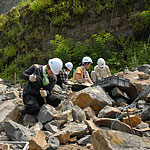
{"x": 103, "y": 44}
{"x": 104, "y": 5}
{"x": 142, "y": 21}
{"x": 26, "y": 26}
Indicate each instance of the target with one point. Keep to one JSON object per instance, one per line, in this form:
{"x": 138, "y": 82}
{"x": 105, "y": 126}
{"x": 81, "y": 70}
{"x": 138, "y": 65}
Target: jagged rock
{"x": 94, "y": 97}
{"x": 37, "y": 127}
{"x": 68, "y": 106}
{"x": 85, "y": 140}
{"x": 146, "y": 134}
{"x": 58, "y": 123}
{"x": 8, "y": 96}
{"x": 143, "y": 76}
{"x": 46, "y": 113}
{"x": 90, "y": 146}
{"x": 89, "y": 112}
{"x": 8, "y": 109}
{"x": 51, "y": 128}
{"x": 38, "y": 142}
{"x": 48, "y": 135}
{"x": 78, "y": 114}
{"x": 113, "y": 124}
{"x": 142, "y": 104}
{"x": 109, "y": 112}
{"x": 76, "y": 129}
{"x": 136, "y": 86}
{"x": 17, "y": 132}
{"x": 143, "y": 67}
{"x": 99, "y": 141}
{"x": 3, "y": 88}
{"x": 116, "y": 92}
{"x": 73, "y": 139}
{"x": 133, "y": 121}
{"x": 2, "y": 98}
{"x": 91, "y": 126}
{"x": 57, "y": 89}
{"x": 67, "y": 116}
{"x": 3, "y": 136}
{"x": 8, "y": 83}
{"x": 63, "y": 136}
{"x": 119, "y": 101}
{"x": 148, "y": 98}
{"x": 145, "y": 115}
{"x": 143, "y": 125}
{"x": 116, "y": 140}
{"x": 53, "y": 143}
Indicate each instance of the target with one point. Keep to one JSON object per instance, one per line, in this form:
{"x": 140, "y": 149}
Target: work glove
{"x": 32, "y": 78}
{"x": 43, "y": 93}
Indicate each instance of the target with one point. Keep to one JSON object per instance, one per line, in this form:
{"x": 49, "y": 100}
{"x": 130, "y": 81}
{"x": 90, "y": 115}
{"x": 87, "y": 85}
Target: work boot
{"x": 23, "y": 111}
{"x": 22, "y": 114}
{"x": 29, "y": 120}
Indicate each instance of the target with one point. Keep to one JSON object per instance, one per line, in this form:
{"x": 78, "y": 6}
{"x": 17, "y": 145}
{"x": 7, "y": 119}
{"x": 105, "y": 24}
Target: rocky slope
{"x": 91, "y": 119}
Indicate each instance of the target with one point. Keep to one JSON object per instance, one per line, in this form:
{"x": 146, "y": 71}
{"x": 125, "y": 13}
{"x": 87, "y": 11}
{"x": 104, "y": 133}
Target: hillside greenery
{"x": 23, "y": 27}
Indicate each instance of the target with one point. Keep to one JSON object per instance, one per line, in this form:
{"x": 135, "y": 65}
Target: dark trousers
{"x": 34, "y": 103}
{"x": 59, "y": 81}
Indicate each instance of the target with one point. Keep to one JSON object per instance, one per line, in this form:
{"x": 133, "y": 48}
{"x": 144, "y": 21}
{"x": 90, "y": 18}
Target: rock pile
{"x": 88, "y": 119}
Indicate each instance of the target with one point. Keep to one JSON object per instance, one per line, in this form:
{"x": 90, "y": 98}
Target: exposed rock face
{"x": 90, "y": 23}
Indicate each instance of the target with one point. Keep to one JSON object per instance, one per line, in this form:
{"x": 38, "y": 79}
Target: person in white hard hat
{"x": 81, "y": 71}
{"x": 62, "y": 77}
{"x": 40, "y": 82}
{"x": 101, "y": 70}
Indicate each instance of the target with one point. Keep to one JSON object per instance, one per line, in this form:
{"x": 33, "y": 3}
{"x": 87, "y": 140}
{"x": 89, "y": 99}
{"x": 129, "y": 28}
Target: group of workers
{"x": 42, "y": 78}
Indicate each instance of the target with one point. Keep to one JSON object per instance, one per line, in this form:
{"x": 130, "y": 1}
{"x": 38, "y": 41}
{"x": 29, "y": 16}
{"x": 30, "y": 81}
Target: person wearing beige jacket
{"x": 101, "y": 70}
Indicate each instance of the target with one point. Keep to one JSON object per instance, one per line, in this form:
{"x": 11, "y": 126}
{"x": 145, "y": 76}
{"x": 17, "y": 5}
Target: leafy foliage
{"x": 130, "y": 52}
{"x": 62, "y": 48}
{"x": 26, "y": 26}
{"x": 104, "y": 5}
{"x": 142, "y": 23}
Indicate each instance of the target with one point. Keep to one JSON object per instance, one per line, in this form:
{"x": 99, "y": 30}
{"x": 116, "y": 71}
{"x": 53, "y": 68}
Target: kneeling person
{"x": 41, "y": 80}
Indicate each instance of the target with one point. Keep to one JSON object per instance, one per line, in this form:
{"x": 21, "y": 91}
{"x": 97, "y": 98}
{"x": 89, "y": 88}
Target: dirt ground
{"x": 75, "y": 147}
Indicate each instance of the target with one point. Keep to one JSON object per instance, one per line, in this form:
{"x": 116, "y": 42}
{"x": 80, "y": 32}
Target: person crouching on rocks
{"x": 40, "y": 82}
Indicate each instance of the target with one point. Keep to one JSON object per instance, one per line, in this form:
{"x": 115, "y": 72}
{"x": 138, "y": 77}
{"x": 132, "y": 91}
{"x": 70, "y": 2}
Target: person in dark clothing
{"x": 62, "y": 77}
{"x": 41, "y": 80}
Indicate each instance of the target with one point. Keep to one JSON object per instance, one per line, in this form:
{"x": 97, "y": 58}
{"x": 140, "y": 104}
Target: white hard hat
{"x": 101, "y": 62}
{"x": 55, "y": 65}
{"x": 69, "y": 65}
{"x": 87, "y": 60}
